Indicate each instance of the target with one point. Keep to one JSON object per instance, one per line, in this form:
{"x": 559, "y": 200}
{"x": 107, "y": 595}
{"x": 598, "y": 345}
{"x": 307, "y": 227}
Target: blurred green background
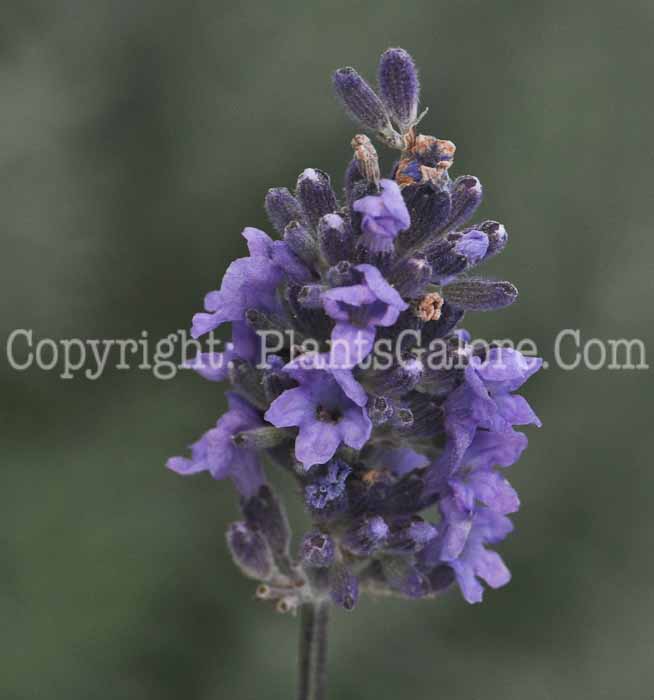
{"x": 136, "y": 141}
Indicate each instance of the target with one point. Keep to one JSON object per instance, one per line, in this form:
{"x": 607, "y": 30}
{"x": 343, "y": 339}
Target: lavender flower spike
{"x": 374, "y": 401}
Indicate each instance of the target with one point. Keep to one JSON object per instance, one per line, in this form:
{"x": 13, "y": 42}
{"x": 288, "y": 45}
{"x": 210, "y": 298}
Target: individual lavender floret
{"x": 327, "y": 409}
{"x": 384, "y": 215}
{"x": 358, "y": 309}
{"x": 485, "y": 400}
{"x": 216, "y": 452}
{"x": 248, "y": 283}
{"x": 399, "y": 87}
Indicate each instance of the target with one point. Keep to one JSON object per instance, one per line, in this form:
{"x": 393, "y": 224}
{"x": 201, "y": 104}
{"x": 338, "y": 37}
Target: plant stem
{"x": 313, "y": 651}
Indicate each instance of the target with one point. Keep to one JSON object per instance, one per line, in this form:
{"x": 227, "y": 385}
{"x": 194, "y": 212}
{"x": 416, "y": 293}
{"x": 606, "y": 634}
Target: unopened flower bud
{"x": 250, "y": 551}
{"x": 314, "y": 191}
{"x": 364, "y": 105}
{"x": 264, "y": 513}
{"x": 399, "y": 87}
{"x": 497, "y": 237}
{"x": 344, "y": 587}
{"x": 429, "y": 207}
{"x": 480, "y": 295}
{"x": 466, "y": 197}
{"x": 301, "y": 241}
{"x": 282, "y": 208}
{"x": 400, "y": 379}
{"x": 412, "y": 276}
{"x": 336, "y": 238}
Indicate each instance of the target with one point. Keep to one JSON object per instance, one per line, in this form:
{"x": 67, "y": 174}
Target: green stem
{"x": 313, "y": 651}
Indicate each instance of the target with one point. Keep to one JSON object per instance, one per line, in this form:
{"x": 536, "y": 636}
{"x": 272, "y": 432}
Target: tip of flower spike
{"x": 364, "y": 105}
{"x": 399, "y": 87}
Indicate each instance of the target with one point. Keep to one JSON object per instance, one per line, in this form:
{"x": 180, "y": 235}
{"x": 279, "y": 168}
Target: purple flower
{"x": 384, "y": 215}
{"x": 216, "y": 452}
{"x": 328, "y": 488}
{"x": 484, "y": 400}
{"x": 358, "y": 309}
{"x": 378, "y": 450}
{"x": 327, "y": 409}
{"x": 472, "y": 246}
{"x": 475, "y": 561}
{"x": 249, "y": 283}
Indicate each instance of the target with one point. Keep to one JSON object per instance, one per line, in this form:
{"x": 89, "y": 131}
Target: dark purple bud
{"x": 282, "y": 208}
{"x": 265, "y": 514}
{"x": 317, "y": 550}
{"x": 263, "y": 438}
{"x": 344, "y": 587}
{"x": 429, "y": 208}
{"x": 497, "y": 237}
{"x": 366, "y": 536}
{"x": 364, "y": 105}
{"x": 336, "y": 238}
{"x": 380, "y": 410}
{"x": 314, "y": 191}
{"x": 399, "y": 87}
{"x": 250, "y": 551}
{"x": 411, "y": 276}
{"x": 398, "y": 380}
{"x": 342, "y": 274}
{"x": 301, "y": 241}
{"x": 466, "y": 197}
{"x": 310, "y": 296}
{"x": 480, "y": 295}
